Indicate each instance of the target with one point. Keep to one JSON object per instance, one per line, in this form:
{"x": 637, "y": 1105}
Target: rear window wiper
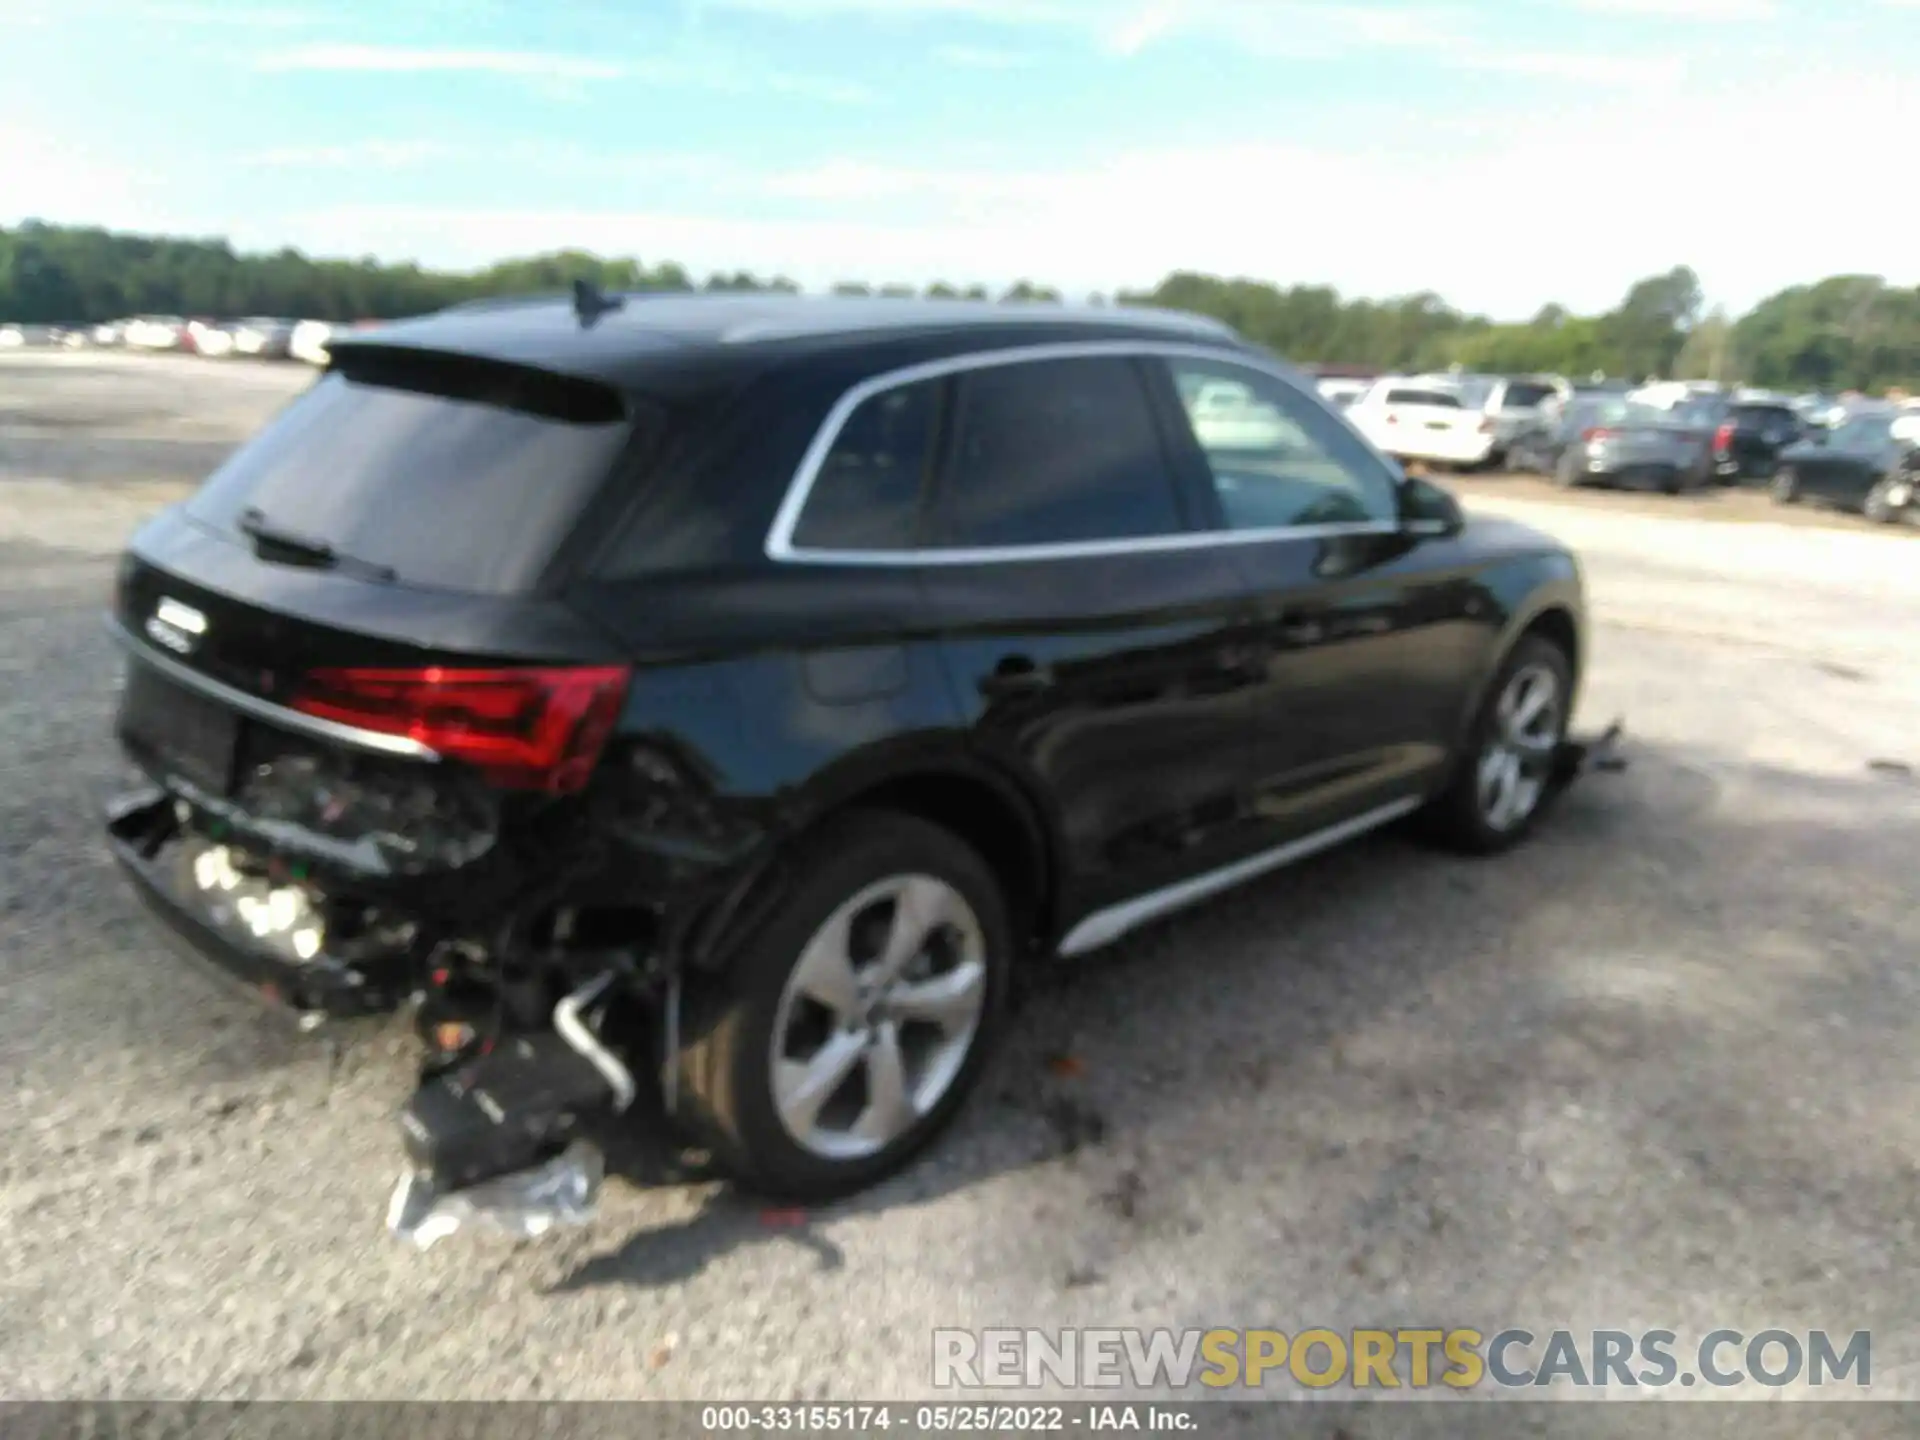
{"x": 287, "y": 548}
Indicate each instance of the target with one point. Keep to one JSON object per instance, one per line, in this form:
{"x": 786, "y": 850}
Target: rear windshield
{"x": 1621, "y": 412}
{"x": 453, "y": 477}
{"x": 1526, "y": 394}
{"x": 1423, "y": 397}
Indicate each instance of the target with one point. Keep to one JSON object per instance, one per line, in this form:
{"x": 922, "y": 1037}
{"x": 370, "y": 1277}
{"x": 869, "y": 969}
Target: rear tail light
{"x": 1723, "y": 438}
{"x": 1598, "y": 432}
{"x": 524, "y": 729}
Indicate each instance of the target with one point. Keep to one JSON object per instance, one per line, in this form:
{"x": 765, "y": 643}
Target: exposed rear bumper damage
{"x": 505, "y": 1126}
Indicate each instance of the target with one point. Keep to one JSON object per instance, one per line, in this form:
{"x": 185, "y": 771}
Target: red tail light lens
{"x": 524, "y": 729}
{"x": 1598, "y": 432}
{"x": 1723, "y": 438}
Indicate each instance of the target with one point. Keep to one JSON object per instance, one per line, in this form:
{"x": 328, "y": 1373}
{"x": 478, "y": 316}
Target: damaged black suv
{"x": 720, "y": 697}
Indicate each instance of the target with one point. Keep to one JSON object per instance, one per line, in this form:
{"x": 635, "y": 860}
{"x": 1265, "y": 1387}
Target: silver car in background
{"x": 1611, "y": 440}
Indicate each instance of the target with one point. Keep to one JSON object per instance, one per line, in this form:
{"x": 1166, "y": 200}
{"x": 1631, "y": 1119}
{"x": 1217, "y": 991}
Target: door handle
{"x": 1015, "y": 675}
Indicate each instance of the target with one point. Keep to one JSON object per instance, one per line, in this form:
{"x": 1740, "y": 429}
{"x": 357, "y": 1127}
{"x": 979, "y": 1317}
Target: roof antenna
{"x": 590, "y": 302}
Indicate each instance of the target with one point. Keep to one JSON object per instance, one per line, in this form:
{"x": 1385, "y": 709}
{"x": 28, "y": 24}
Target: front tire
{"x": 1504, "y": 775}
{"x": 1878, "y": 506}
{"x": 855, "y": 1021}
{"x": 1785, "y": 486}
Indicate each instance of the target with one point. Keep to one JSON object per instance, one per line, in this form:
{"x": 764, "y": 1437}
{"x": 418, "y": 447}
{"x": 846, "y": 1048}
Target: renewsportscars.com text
{"x": 1390, "y": 1359}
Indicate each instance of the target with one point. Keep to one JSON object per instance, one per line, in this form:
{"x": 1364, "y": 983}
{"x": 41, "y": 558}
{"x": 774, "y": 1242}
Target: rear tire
{"x": 1502, "y": 778}
{"x": 1785, "y": 486}
{"x": 1878, "y": 506}
{"x": 811, "y": 1069}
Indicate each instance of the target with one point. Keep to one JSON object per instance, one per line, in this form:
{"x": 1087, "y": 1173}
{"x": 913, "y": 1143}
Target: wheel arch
{"x": 1553, "y": 610}
{"x": 992, "y": 813}
{"x": 966, "y": 795}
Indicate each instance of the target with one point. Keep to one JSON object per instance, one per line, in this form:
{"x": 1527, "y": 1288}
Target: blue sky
{"x": 1502, "y": 154}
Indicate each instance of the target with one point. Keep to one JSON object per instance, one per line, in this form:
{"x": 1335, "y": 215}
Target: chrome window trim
{"x": 265, "y": 709}
{"x": 779, "y": 543}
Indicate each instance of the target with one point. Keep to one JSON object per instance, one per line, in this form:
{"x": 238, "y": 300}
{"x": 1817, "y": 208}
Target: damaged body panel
{"x": 553, "y": 681}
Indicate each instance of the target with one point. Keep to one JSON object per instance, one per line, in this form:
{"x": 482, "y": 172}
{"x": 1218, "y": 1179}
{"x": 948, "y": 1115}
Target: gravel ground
{"x": 1655, "y": 1069}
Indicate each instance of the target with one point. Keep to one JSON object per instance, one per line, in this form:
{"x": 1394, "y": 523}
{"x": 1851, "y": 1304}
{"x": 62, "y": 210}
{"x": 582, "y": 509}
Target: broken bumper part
{"x": 139, "y": 829}
{"x": 524, "y": 1205}
{"x": 1577, "y": 755}
{"x": 501, "y": 1140}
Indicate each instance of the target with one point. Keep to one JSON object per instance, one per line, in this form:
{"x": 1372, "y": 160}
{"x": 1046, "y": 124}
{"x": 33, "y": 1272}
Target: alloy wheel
{"x": 1517, "y": 759}
{"x": 878, "y": 1016}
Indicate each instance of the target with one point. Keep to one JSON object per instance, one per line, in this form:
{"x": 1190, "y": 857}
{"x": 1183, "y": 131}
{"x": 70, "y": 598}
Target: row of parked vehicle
{"x": 257, "y": 337}
{"x": 1670, "y": 436}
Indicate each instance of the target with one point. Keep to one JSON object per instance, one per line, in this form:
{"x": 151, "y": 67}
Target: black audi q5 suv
{"x": 721, "y": 698}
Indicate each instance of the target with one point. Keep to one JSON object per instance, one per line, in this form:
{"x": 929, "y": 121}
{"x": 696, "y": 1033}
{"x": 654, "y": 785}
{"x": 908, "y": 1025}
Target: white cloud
{"x": 1711, "y": 10}
{"x": 47, "y": 176}
{"x": 1592, "y": 69}
{"x": 374, "y": 154}
{"x": 560, "y": 76}
{"x": 1377, "y": 221}
{"x": 981, "y": 57}
{"x": 397, "y": 60}
{"x": 1452, "y": 34}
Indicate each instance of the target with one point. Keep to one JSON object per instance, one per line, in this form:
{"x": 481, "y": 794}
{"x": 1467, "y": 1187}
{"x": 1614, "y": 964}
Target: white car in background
{"x": 212, "y": 340}
{"x": 1512, "y": 402}
{"x": 308, "y": 342}
{"x": 1341, "y": 392}
{"x": 1411, "y": 419}
{"x": 1226, "y": 415}
{"x": 155, "y": 332}
{"x": 263, "y": 337}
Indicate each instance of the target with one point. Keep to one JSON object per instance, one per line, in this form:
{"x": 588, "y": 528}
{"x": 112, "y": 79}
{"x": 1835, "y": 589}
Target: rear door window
{"x": 866, "y": 494}
{"x": 1054, "y": 452}
{"x": 458, "y": 476}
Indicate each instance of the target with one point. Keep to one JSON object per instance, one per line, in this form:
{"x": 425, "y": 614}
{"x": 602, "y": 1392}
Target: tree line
{"x": 1845, "y": 332}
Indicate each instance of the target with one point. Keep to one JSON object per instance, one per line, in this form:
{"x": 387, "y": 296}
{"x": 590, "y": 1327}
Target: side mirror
{"x": 1426, "y": 509}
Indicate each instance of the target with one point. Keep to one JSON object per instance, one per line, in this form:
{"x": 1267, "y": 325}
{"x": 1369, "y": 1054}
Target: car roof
{"x": 651, "y": 331}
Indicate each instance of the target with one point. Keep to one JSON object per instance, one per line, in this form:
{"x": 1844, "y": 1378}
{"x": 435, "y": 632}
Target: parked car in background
{"x": 1748, "y": 442}
{"x": 1864, "y": 465}
{"x": 112, "y": 332}
{"x": 210, "y": 338}
{"x": 1228, "y": 416}
{"x": 1601, "y": 388}
{"x": 156, "y": 332}
{"x": 1511, "y": 402}
{"x": 307, "y": 341}
{"x": 263, "y": 338}
{"x": 1611, "y": 440}
{"x": 19, "y": 337}
{"x": 1430, "y": 423}
{"x": 756, "y": 739}
{"x": 1341, "y": 390}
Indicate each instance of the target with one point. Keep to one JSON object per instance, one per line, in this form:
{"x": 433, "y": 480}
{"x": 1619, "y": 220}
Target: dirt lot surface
{"x": 1656, "y": 1069}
